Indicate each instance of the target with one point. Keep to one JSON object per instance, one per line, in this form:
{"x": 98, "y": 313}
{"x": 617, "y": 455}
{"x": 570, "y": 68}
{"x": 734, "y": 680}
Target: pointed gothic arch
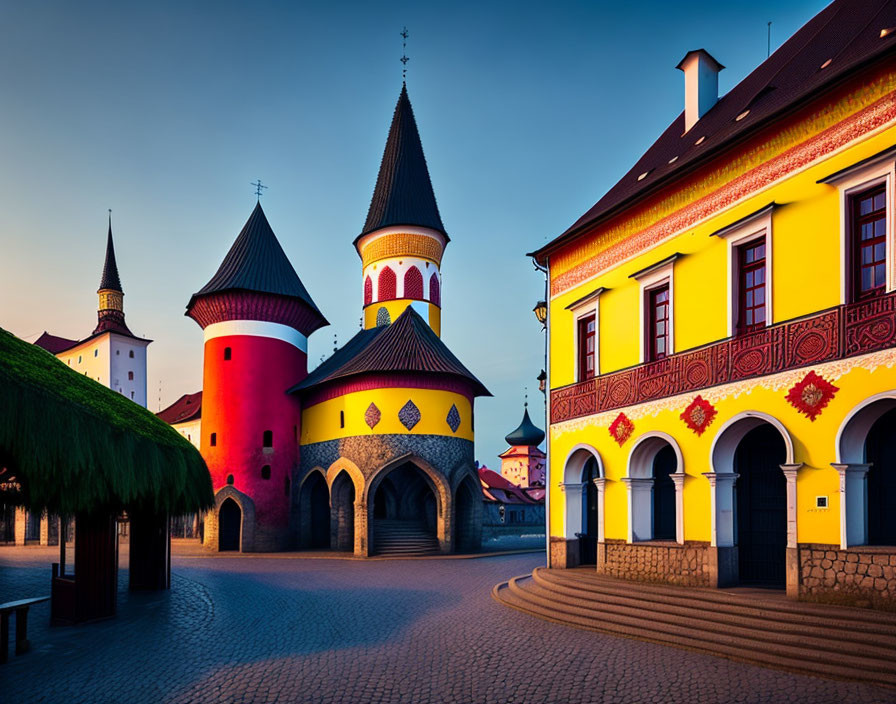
{"x": 368, "y": 290}
{"x": 413, "y": 283}
{"x": 385, "y": 289}
{"x": 435, "y": 290}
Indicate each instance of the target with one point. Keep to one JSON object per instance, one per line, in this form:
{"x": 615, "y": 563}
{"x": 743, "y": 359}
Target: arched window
{"x": 413, "y": 283}
{"x": 266, "y": 472}
{"x": 131, "y": 354}
{"x": 386, "y": 288}
{"x": 368, "y": 291}
{"x": 227, "y": 354}
{"x": 435, "y": 292}
{"x": 382, "y": 317}
{"x": 268, "y": 438}
{"x": 230, "y": 479}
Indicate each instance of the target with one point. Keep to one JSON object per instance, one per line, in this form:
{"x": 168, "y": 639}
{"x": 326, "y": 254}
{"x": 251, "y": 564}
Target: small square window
{"x": 268, "y": 439}
{"x": 266, "y": 472}
{"x": 821, "y": 502}
{"x": 227, "y": 354}
{"x": 130, "y": 376}
{"x": 131, "y": 354}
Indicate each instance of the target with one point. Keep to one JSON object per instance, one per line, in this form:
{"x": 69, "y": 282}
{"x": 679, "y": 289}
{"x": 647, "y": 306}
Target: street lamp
{"x": 541, "y": 312}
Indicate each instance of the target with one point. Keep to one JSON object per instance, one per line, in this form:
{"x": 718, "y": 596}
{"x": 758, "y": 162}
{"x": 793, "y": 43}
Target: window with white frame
{"x": 586, "y": 318}
{"x": 657, "y": 309}
{"x": 749, "y": 243}
{"x": 866, "y": 227}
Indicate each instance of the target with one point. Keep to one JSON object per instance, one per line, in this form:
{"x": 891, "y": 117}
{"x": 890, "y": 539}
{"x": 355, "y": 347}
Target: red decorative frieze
{"x": 837, "y": 333}
{"x": 811, "y": 394}
{"x": 621, "y": 429}
{"x": 699, "y": 415}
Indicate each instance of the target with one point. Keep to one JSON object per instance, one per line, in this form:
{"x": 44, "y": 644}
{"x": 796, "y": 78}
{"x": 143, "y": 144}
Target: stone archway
{"x": 230, "y": 519}
{"x": 246, "y": 520}
{"x": 408, "y": 497}
{"x": 468, "y": 515}
{"x": 583, "y": 488}
{"x": 342, "y": 513}
{"x": 314, "y": 511}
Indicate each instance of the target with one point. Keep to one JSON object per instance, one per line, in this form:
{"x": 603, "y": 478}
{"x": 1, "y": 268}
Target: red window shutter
{"x": 386, "y": 286}
{"x": 368, "y": 291}
{"x": 413, "y": 283}
{"x": 435, "y": 293}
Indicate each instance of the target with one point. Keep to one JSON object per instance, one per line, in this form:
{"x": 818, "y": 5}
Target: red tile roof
{"x": 55, "y": 344}
{"x": 846, "y": 32}
{"x": 187, "y": 407}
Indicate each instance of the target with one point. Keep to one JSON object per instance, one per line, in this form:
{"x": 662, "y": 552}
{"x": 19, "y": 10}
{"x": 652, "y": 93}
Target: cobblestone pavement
{"x": 257, "y": 629}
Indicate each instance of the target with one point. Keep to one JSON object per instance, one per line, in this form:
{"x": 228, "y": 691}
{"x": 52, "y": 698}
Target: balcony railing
{"x": 836, "y": 333}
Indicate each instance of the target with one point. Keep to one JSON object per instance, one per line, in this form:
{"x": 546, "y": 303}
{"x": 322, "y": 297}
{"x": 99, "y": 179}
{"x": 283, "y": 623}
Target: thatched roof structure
{"x": 69, "y": 444}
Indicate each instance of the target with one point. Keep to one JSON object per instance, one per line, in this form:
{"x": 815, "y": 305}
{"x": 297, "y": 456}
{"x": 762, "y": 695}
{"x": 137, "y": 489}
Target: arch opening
{"x": 342, "y": 517}
{"x": 654, "y": 495}
{"x": 405, "y": 511}
{"x": 880, "y": 455}
{"x": 468, "y": 516}
{"x": 230, "y": 518}
{"x": 314, "y": 517}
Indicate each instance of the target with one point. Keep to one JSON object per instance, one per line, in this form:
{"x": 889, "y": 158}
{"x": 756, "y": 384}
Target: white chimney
{"x": 701, "y": 85}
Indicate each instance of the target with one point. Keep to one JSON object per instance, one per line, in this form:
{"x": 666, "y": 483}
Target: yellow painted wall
{"x": 806, "y": 273}
{"x": 813, "y": 441}
{"x": 805, "y": 270}
{"x": 397, "y": 307}
{"x": 321, "y": 421}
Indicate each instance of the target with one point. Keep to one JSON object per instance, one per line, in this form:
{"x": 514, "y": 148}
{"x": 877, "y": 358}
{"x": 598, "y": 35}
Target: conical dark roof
{"x": 403, "y": 193}
{"x": 527, "y": 434}
{"x": 407, "y": 345}
{"x": 257, "y": 262}
{"x": 110, "y": 280}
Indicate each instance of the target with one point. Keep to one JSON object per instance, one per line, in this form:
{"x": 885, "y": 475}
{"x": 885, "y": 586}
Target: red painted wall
{"x": 241, "y": 398}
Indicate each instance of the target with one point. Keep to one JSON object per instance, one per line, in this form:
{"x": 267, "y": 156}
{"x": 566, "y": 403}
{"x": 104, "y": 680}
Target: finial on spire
{"x": 110, "y": 219}
{"x": 404, "y": 54}
{"x": 258, "y": 188}
{"x": 525, "y": 397}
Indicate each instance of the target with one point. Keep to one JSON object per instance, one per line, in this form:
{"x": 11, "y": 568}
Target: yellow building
{"x": 721, "y": 333}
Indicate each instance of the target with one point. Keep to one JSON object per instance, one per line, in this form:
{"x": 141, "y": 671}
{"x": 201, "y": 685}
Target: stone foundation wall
{"x": 564, "y": 553}
{"x": 691, "y": 564}
{"x": 858, "y": 576}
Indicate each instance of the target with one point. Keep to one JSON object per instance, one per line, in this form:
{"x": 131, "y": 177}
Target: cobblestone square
{"x": 287, "y": 629}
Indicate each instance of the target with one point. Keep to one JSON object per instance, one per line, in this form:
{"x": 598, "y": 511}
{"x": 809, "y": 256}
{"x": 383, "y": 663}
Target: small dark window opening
{"x": 268, "y": 438}
{"x": 131, "y": 354}
{"x": 130, "y": 376}
{"x": 214, "y": 439}
{"x": 341, "y": 419}
{"x": 230, "y": 479}
{"x": 226, "y": 354}
{"x": 266, "y": 472}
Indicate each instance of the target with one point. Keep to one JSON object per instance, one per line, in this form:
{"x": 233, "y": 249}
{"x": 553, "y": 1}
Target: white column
{"x": 853, "y": 504}
{"x": 573, "y": 506}
{"x": 640, "y": 508}
{"x": 790, "y": 472}
{"x": 721, "y": 497}
{"x": 600, "y": 483}
{"x": 678, "y": 480}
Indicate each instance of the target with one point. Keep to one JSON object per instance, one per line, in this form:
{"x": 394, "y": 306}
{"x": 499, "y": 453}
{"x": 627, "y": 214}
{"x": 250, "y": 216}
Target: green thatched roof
{"x": 74, "y": 445}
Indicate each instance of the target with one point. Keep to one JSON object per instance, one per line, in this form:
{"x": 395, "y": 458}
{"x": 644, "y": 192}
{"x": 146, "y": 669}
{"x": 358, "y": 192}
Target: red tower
{"x": 256, "y": 315}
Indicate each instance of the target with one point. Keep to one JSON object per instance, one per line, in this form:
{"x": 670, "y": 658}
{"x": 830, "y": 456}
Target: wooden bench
{"x": 21, "y": 610}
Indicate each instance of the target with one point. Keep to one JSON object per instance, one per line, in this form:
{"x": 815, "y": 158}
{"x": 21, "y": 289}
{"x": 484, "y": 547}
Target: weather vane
{"x": 258, "y": 187}
{"x": 525, "y": 397}
{"x": 404, "y": 54}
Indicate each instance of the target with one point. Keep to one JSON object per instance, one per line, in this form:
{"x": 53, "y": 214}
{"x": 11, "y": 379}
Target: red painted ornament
{"x": 621, "y": 429}
{"x": 699, "y": 414}
{"x": 811, "y": 394}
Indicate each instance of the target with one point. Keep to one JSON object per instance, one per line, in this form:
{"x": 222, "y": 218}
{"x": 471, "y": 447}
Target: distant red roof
{"x": 54, "y": 344}
{"x": 497, "y": 488}
{"x": 187, "y": 407}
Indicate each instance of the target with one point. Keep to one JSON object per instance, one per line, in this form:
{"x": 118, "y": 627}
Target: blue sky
{"x": 166, "y": 111}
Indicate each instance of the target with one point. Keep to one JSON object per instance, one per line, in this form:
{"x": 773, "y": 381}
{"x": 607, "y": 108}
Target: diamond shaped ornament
{"x": 409, "y": 415}
{"x": 372, "y": 415}
{"x": 453, "y": 418}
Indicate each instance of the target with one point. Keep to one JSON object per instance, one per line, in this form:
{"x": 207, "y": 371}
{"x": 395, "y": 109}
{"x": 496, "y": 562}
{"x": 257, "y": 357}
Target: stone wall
{"x": 564, "y": 553}
{"x": 860, "y": 576}
{"x": 690, "y": 564}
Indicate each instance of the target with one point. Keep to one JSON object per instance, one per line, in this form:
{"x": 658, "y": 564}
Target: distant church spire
{"x": 110, "y": 314}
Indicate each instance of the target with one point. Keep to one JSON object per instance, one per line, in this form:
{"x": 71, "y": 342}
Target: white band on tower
{"x": 257, "y": 328}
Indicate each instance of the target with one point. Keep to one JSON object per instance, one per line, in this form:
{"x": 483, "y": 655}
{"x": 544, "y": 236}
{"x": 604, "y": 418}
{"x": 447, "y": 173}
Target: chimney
{"x": 701, "y": 85}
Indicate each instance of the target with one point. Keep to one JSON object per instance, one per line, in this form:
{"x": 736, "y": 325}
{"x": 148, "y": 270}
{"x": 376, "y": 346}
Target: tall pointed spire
{"x": 110, "y": 280}
{"x": 110, "y": 314}
{"x": 403, "y": 193}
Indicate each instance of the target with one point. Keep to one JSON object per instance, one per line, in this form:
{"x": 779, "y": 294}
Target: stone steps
{"x": 767, "y": 630}
{"x": 405, "y": 538}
